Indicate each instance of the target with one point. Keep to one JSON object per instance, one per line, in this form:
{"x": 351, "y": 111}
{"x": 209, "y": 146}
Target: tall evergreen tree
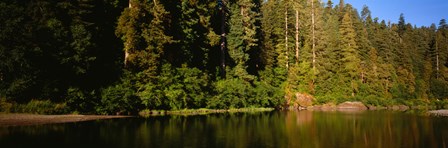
{"x": 329, "y": 54}
{"x": 145, "y": 40}
{"x": 401, "y": 25}
{"x": 350, "y": 55}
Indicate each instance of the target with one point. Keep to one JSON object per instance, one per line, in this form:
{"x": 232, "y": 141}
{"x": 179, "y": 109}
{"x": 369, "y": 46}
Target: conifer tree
{"x": 329, "y": 54}
{"x": 142, "y": 29}
{"x": 195, "y": 37}
{"x": 241, "y": 38}
{"x": 349, "y": 52}
{"x": 236, "y": 43}
{"x": 401, "y": 25}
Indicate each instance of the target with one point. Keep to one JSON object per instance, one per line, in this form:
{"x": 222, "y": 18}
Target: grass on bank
{"x": 49, "y": 107}
{"x": 34, "y": 107}
{"x": 202, "y": 111}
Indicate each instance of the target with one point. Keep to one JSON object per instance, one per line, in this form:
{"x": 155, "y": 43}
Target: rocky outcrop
{"x": 438, "y": 112}
{"x": 324, "y": 107}
{"x": 304, "y": 100}
{"x": 352, "y": 106}
{"x": 299, "y": 102}
{"x": 371, "y": 107}
{"x": 398, "y": 107}
{"x": 346, "y": 106}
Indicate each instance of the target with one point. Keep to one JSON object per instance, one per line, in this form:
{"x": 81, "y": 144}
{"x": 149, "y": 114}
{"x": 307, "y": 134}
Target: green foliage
{"x": 267, "y": 95}
{"x": 301, "y": 77}
{"x": 41, "y": 107}
{"x": 231, "y": 93}
{"x": 238, "y": 93}
{"x": 401, "y": 25}
{"x": 378, "y": 101}
{"x": 5, "y": 106}
{"x": 440, "y": 104}
{"x": 195, "y": 85}
{"x": 81, "y": 101}
{"x": 17, "y": 75}
{"x": 417, "y": 102}
{"x": 372, "y": 100}
{"x": 350, "y": 57}
{"x": 176, "y": 89}
{"x": 169, "y": 55}
{"x": 119, "y": 99}
{"x": 439, "y": 89}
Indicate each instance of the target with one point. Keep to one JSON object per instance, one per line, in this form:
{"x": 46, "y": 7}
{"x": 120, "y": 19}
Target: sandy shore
{"x": 32, "y": 119}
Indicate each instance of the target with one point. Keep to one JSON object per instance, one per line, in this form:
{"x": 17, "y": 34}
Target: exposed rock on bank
{"x": 439, "y": 112}
{"x": 352, "y": 106}
{"x": 324, "y": 107}
{"x": 304, "y": 100}
{"x": 300, "y": 101}
{"x": 398, "y": 107}
{"x": 340, "y": 107}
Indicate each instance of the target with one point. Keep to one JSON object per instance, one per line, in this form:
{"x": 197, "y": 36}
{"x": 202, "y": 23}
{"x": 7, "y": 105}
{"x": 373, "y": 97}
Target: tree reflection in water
{"x": 268, "y": 129}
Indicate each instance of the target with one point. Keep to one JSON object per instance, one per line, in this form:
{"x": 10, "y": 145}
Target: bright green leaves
{"x": 176, "y": 89}
{"x": 238, "y": 93}
{"x": 231, "y": 93}
{"x": 119, "y": 98}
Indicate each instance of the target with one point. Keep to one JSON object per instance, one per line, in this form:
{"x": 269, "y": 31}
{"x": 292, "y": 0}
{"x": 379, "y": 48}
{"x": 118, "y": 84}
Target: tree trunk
{"x": 223, "y": 40}
{"x": 126, "y": 49}
{"x": 362, "y": 76}
{"x": 286, "y": 36}
{"x": 297, "y": 37}
{"x": 437, "y": 59}
{"x": 313, "y": 37}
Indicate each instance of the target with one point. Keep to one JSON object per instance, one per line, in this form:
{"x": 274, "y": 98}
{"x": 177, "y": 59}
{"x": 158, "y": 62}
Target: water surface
{"x": 267, "y": 129}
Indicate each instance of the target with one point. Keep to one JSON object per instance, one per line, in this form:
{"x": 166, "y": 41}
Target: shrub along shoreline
{"x": 202, "y": 111}
{"x": 47, "y": 107}
{"x": 46, "y": 112}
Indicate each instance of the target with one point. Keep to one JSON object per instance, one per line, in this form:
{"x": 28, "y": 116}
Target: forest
{"x": 112, "y": 56}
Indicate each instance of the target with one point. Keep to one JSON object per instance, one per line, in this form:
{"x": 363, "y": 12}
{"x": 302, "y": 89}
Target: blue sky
{"x": 416, "y": 12}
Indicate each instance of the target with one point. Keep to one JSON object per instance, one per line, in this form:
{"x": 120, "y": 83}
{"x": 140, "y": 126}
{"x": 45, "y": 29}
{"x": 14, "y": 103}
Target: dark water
{"x": 268, "y": 129}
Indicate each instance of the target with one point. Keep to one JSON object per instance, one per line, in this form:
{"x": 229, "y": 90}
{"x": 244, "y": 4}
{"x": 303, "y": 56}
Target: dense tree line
{"x": 108, "y": 56}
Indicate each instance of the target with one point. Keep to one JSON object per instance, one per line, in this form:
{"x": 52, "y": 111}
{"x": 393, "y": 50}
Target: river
{"x": 266, "y": 129}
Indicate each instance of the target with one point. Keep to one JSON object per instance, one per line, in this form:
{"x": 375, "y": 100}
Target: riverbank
{"x": 14, "y": 119}
{"x": 442, "y": 112}
{"x": 359, "y": 106}
{"x": 187, "y": 112}
{"x": 34, "y": 119}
